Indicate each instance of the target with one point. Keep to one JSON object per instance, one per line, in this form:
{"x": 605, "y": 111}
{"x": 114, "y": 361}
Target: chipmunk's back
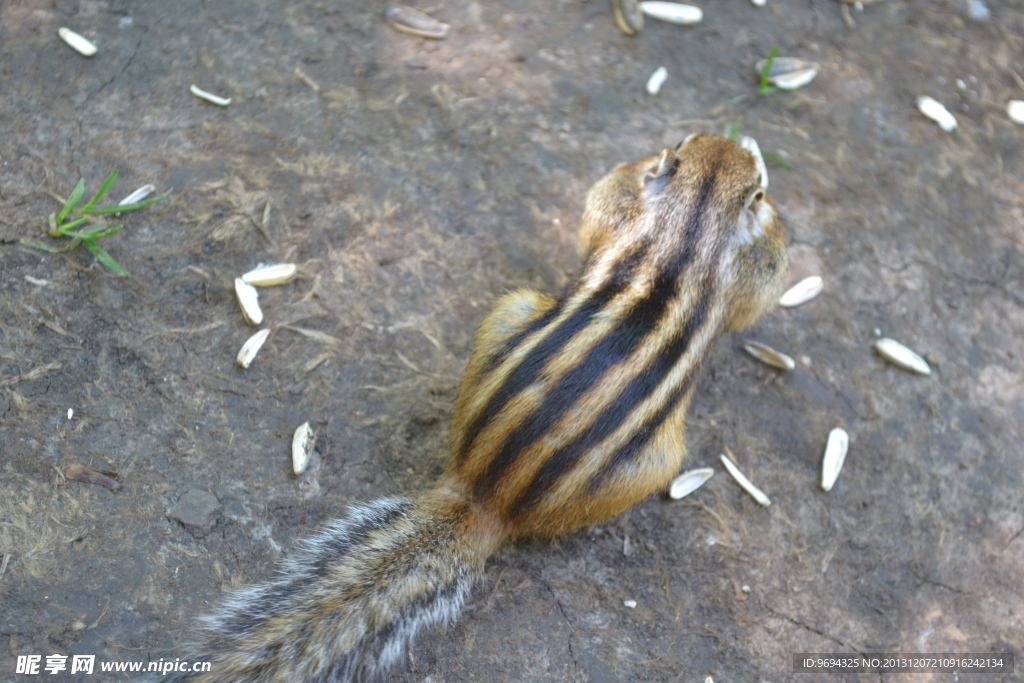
{"x": 572, "y": 407}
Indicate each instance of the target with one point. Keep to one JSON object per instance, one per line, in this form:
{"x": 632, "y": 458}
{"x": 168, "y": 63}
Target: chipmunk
{"x": 571, "y": 411}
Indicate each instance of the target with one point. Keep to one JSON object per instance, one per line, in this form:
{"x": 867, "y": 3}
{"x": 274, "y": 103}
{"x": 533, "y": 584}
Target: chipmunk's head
{"x": 703, "y": 206}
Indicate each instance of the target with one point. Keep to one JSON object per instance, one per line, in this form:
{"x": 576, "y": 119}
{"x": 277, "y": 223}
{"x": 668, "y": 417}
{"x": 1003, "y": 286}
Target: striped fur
{"x": 352, "y": 599}
{"x": 571, "y": 410}
{"x": 572, "y": 407}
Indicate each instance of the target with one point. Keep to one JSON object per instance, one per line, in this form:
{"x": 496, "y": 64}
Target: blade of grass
{"x": 103, "y": 257}
{"x": 72, "y": 202}
{"x": 134, "y": 206}
{"x": 95, "y": 232}
{"x": 40, "y": 247}
{"x": 778, "y": 161}
{"x": 107, "y": 184}
{"x": 63, "y": 229}
{"x": 733, "y": 129}
{"x": 52, "y": 250}
{"x": 766, "y": 89}
{"x": 102, "y": 230}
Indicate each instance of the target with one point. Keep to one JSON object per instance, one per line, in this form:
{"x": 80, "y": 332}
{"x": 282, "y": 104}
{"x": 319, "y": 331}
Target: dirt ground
{"x": 417, "y": 182}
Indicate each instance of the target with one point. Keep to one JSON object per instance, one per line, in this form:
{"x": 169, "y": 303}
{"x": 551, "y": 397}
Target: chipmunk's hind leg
{"x": 632, "y": 474}
{"x": 514, "y": 316}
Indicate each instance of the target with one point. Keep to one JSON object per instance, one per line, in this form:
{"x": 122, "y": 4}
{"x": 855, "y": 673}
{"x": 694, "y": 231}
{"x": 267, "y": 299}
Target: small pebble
{"x": 197, "y": 511}
{"x": 631, "y": 604}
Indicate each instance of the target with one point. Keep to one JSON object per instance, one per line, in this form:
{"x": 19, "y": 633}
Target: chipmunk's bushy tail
{"x": 350, "y": 602}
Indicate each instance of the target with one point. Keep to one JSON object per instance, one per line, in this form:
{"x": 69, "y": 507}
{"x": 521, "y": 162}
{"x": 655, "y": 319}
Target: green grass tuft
{"x": 71, "y": 216}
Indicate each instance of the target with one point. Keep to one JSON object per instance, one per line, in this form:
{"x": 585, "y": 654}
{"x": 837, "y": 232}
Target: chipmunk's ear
{"x": 685, "y": 140}
{"x": 659, "y": 176}
{"x": 754, "y": 196}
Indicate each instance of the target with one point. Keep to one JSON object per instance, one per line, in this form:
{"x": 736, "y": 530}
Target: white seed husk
{"x": 302, "y": 448}
{"x": 249, "y": 301}
{"x": 756, "y": 493}
{"x": 138, "y": 195}
{"x": 247, "y": 354}
{"x": 900, "y": 356}
{"x": 802, "y": 292}
{"x": 78, "y": 43}
{"x": 210, "y": 97}
{"x": 1015, "y": 110}
{"x": 835, "y": 455}
{"x": 628, "y": 16}
{"x": 750, "y": 144}
{"x": 269, "y": 276}
{"x": 657, "y": 80}
{"x": 788, "y": 73}
{"x": 688, "y": 482}
{"x": 673, "y": 12}
{"x": 768, "y": 355}
{"x": 631, "y": 604}
{"x": 409, "y": 20}
{"x": 797, "y": 79}
{"x": 937, "y": 113}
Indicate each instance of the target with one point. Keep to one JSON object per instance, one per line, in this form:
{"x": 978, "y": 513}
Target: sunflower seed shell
{"x": 756, "y": 493}
{"x": 900, "y": 356}
{"x": 788, "y": 73}
{"x": 409, "y": 20}
{"x": 768, "y": 355}
{"x": 657, "y": 80}
{"x": 209, "y": 96}
{"x": 673, "y": 12}
{"x": 269, "y": 276}
{"x": 835, "y": 455}
{"x": 628, "y": 16}
{"x": 1015, "y": 110}
{"x": 138, "y": 195}
{"x": 78, "y": 43}
{"x": 302, "y": 448}
{"x": 802, "y": 292}
{"x": 688, "y": 482}
{"x": 937, "y": 113}
{"x": 249, "y": 301}
{"x": 247, "y": 354}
